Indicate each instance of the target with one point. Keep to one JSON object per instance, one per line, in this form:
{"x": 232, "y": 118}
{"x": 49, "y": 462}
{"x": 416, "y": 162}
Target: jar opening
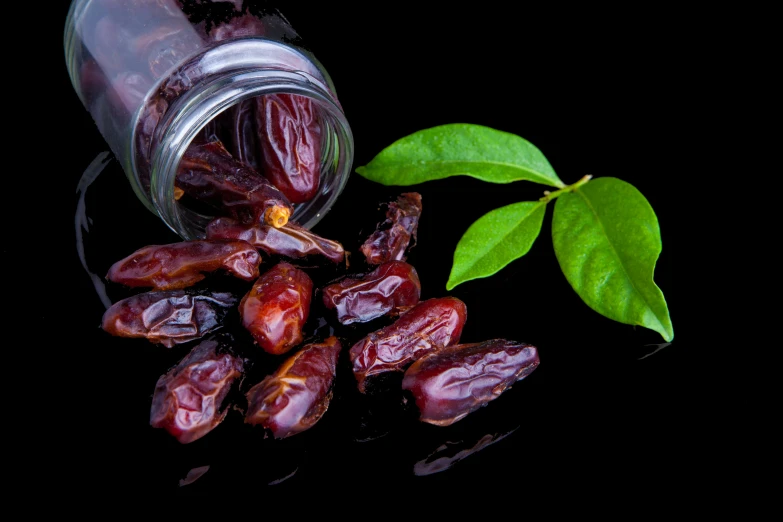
{"x": 236, "y": 127}
{"x": 227, "y": 107}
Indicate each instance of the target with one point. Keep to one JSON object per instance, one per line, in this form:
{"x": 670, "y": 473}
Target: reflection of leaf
{"x": 460, "y": 149}
{"x": 607, "y": 240}
{"x": 496, "y": 239}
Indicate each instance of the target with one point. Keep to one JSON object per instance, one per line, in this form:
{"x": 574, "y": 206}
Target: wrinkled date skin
{"x": 458, "y": 380}
{"x": 297, "y": 395}
{"x": 427, "y": 327}
{"x": 169, "y": 317}
{"x": 392, "y": 288}
{"x": 290, "y": 240}
{"x": 290, "y": 144}
{"x": 210, "y": 175}
{"x": 277, "y": 307}
{"x": 179, "y": 265}
{"x": 188, "y": 399}
{"x": 392, "y": 238}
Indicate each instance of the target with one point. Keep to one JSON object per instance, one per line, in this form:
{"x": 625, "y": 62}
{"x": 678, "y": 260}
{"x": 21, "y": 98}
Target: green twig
{"x": 549, "y": 196}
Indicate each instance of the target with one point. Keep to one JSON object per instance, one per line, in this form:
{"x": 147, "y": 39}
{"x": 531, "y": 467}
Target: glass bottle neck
{"x": 216, "y": 81}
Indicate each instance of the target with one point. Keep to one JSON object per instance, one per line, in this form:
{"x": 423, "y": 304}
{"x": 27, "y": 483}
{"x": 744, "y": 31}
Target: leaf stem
{"x": 549, "y": 196}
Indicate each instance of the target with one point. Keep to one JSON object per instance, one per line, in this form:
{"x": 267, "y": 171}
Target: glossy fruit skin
{"x": 290, "y": 240}
{"x": 183, "y": 264}
{"x": 392, "y": 237}
{"x": 390, "y": 289}
{"x": 429, "y": 326}
{"x": 290, "y": 140}
{"x": 210, "y": 175}
{"x": 296, "y": 396}
{"x": 277, "y": 307}
{"x": 188, "y": 400}
{"x": 451, "y": 383}
{"x": 167, "y": 317}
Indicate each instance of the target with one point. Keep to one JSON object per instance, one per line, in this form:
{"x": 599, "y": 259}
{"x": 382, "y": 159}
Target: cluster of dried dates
{"x": 448, "y": 380}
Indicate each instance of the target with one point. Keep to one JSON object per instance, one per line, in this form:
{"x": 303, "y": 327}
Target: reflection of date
{"x": 290, "y": 240}
{"x": 392, "y": 288}
{"x": 169, "y": 318}
{"x": 450, "y": 453}
{"x": 276, "y": 308}
{"x": 183, "y": 264}
{"x": 188, "y": 399}
{"x": 455, "y": 381}
{"x": 296, "y": 396}
{"x": 428, "y": 326}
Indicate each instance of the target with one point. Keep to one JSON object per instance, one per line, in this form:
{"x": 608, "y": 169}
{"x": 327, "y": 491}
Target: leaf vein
{"x": 620, "y": 259}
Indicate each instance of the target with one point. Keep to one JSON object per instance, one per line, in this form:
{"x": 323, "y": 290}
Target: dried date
{"x": 428, "y": 326}
{"x": 391, "y": 289}
{"x": 277, "y": 307}
{"x": 290, "y": 240}
{"x": 393, "y": 236}
{"x": 297, "y": 395}
{"x": 453, "y": 382}
{"x": 210, "y": 175}
{"x": 290, "y": 144}
{"x": 179, "y": 265}
{"x": 188, "y": 400}
{"x": 169, "y": 317}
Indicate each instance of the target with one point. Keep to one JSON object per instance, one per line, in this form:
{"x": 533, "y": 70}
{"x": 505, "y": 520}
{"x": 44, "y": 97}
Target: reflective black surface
{"x": 607, "y": 397}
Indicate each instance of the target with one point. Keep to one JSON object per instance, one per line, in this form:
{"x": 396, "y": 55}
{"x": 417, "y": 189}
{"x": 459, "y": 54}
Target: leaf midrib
{"x": 506, "y": 235}
{"x": 620, "y": 260}
{"x": 511, "y": 165}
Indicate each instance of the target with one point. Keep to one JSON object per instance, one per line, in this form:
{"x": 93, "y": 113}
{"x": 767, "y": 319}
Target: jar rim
{"x": 212, "y": 95}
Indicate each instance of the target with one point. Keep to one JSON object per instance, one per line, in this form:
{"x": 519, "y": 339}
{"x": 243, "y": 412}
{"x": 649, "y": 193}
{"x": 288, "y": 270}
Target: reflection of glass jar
{"x": 154, "y": 73}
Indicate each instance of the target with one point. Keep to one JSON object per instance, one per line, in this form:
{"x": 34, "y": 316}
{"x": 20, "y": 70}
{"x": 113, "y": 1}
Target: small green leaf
{"x": 496, "y": 239}
{"x": 607, "y": 241}
{"x": 460, "y": 150}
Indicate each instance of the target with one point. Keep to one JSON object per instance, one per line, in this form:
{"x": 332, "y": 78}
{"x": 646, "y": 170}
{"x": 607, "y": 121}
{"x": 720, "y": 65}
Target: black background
{"x": 596, "y": 97}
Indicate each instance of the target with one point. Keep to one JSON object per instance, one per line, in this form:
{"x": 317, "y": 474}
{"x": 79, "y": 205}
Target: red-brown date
{"x": 188, "y": 399}
{"x": 290, "y": 144}
{"x": 169, "y": 317}
{"x": 428, "y": 326}
{"x": 391, "y": 289}
{"x": 210, "y": 175}
{"x": 276, "y": 308}
{"x": 455, "y": 381}
{"x": 296, "y": 396}
{"x": 239, "y": 27}
{"x": 290, "y": 240}
{"x": 179, "y": 265}
{"x": 393, "y": 236}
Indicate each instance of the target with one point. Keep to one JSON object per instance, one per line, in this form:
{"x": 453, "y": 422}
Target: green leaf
{"x": 460, "y": 150}
{"x": 496, "y": 239}
{"x": 607, "y": 240}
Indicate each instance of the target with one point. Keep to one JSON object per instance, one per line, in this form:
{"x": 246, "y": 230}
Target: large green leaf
{"x": 607, "y": 240}
{"x": 460, "y": 150}
{"x": 496, "y": 239}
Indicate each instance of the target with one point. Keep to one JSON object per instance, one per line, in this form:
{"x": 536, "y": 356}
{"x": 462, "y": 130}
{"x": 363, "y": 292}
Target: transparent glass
{"x": 155, "y": 73}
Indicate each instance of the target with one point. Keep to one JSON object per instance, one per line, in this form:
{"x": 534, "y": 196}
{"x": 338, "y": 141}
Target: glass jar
{"x": 154, "y": 74}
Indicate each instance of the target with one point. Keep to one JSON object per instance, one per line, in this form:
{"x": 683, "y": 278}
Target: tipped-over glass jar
{"x": 163, "y": 78}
